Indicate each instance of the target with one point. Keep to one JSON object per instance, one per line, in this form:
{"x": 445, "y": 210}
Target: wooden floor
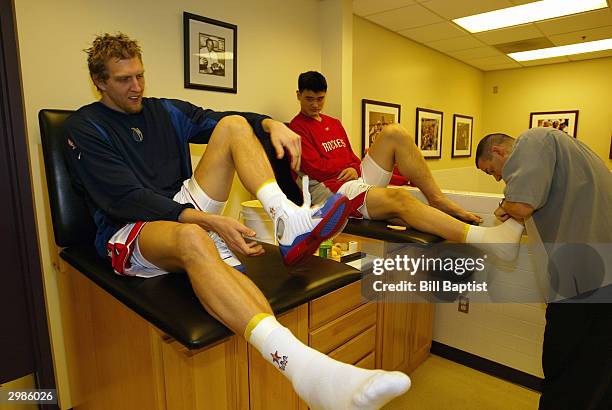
{"x": 445, "y": 385}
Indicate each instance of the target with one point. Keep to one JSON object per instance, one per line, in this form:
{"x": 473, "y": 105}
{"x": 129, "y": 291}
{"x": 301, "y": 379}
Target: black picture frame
{"x": 463, "y": 127}
{"x": 566, "y": 121}
{"x": 206, "y": 39}
{"x": 375, "y": 115}
{"x": 428, "y": 132}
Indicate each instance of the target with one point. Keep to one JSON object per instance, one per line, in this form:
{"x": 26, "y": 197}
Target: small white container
{"x": 253, "y": 216}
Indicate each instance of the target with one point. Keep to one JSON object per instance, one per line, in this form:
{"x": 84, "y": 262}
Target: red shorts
{"x": 356, "y": 203}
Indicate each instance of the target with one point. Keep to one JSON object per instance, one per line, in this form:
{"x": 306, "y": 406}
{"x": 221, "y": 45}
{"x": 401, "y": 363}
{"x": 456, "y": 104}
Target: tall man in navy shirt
{"x": 129, "y": 156}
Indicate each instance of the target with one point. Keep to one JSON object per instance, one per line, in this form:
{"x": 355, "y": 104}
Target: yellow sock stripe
{"x": 253, "y": 323}
{"x": 266, "y": 182}
{"x": 466, "y": 228}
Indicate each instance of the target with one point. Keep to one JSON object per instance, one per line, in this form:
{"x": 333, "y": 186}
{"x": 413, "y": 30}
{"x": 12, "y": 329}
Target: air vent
{"x": 524, "y": 45}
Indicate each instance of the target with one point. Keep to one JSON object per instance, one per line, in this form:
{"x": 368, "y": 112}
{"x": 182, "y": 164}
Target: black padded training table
{"x": 169, "y": 303}
{"x": 379, "y": 230}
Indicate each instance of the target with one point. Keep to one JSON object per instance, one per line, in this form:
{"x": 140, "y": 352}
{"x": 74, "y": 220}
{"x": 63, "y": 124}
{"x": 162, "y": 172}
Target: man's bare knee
{"x": 234, "y": 126}
{"x": 193, "y": 243}
{"x": 399, "y": 196}
{"x": 395, "y": 132}
{"x": 395, "y": 201}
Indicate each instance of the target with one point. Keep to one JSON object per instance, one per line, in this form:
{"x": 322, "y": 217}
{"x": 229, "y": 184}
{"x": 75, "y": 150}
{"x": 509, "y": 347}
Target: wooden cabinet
{"x": 269, "y": 389}
{"x": 405, "y": 336}
{"x": 118, "y": 360}
{"x": 406, "y": 326}
{"x": 422, "y": 333}
{"x": 404, "y": 323}
{"x": 343, "y": 326}
{"x": 215, "y": 377}
{"x": 358, "y": 348}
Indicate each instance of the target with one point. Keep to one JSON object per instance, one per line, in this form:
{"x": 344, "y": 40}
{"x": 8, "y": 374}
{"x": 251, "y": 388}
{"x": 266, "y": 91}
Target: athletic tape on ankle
{"x": 202, "y": 201}
{"x": 253, "y": 323}
{"x": 266, "y": 182}
{"x": 466, "y": 229}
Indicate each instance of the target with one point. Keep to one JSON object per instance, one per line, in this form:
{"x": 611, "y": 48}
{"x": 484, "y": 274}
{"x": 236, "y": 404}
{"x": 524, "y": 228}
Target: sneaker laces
{"x": 222, "y": 248}
{"x": 301, "y": 218}
{"x": 306, "y": 192}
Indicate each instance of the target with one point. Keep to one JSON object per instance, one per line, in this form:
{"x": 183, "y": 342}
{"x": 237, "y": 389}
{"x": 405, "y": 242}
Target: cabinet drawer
{"x": 367, "y": 362}
{"x": 334, "y": 304}
{"x": 337, "y": 332}
{"x": 357, "y": 348}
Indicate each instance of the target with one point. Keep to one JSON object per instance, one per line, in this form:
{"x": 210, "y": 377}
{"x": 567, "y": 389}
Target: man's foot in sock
{"x": 447, "y": 206}
{"x": 225, "y": 253}
{"x": 322, "y": 382}
{"x": 342, "y": 386}
{"x": 502, "y": 240}
{"x": 300, "y": 230}
{"x": 380, "y": 388}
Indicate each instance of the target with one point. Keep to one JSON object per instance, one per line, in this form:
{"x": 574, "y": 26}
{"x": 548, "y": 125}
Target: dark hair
{"x": 485, "y": 145}
{"x": 313, "y": 81}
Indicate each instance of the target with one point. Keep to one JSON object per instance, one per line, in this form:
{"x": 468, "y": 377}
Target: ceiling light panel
{"x": 569, "y": 49}
{"x": 527, "y": 13}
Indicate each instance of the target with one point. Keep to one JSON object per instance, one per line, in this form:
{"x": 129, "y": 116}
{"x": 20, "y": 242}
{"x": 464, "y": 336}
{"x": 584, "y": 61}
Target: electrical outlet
{"x": 464, "y": 304}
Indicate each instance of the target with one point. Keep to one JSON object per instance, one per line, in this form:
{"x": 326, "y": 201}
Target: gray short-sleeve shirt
{"x": 566, "y": 183}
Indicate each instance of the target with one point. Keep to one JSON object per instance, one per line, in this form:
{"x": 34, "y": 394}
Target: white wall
{"x": 391, "y": 68}
{"x": 506, "y": 333}
{"x": 277, "y": 39}
{"x": 467, "y": 179}
{"x": 585, "y": 86}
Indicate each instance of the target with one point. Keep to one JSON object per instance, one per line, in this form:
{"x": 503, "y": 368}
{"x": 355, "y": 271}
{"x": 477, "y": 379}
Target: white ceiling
{"x": 429, "y": 22}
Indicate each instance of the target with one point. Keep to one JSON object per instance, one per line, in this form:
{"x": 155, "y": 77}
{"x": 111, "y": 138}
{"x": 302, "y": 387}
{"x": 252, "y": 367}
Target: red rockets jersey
{"x": 326, "y": 150}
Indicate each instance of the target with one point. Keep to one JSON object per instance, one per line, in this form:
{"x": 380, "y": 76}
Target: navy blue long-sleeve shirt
{"x": 129, "y": 166}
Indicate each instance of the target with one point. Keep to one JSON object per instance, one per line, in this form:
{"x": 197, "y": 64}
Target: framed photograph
{"x": 566, "y": 121}
{"x": 462, "y": 136}
{"x": 210, "y": 54}
{"x": 428, "y": 135}
{"x": 375, "y": 115}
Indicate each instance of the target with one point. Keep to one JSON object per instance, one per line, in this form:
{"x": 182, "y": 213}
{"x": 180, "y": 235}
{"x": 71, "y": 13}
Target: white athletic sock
{"x": 324, "y": 383}
{"x": 201, "y": 200}
{"x": 502, "y": 240}
{"x": 273, "y": 199}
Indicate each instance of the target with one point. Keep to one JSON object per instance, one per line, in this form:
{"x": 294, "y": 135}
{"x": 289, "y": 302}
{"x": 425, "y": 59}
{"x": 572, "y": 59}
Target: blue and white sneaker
{"x": 301, "y": 230}
{"x": 225, "y": 253}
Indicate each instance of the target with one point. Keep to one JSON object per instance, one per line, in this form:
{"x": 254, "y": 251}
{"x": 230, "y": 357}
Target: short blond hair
{"x": 107, "y": 46}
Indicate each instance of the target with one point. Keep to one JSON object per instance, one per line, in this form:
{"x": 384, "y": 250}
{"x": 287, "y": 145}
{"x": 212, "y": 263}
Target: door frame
{"x": 14, "y": 131}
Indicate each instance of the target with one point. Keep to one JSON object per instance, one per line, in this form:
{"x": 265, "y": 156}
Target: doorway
{"x": 24, "y": 337}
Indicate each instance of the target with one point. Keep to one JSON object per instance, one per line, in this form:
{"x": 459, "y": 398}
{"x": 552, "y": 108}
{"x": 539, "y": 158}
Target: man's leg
{"x": 395, "y": 146}
{"x": 234, "y": 146}
{"x": 235, "y": 301}
{"x": 225, "y": 293}
{"x": 393, "y": 204}
{"x": 398, "y": 204}
{"x": 577, "y": 357}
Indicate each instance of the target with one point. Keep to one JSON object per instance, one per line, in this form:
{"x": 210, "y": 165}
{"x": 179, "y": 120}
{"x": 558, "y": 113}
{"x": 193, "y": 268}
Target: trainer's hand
{"x": 233, "y": 233}
{"x": 283, "y": 138}
{"x": 501, "y": 214}
{"x": 348, "y": 174}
